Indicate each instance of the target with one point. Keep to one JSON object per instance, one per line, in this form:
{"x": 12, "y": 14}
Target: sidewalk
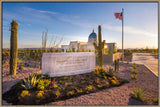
{"x": 148, "y": 60}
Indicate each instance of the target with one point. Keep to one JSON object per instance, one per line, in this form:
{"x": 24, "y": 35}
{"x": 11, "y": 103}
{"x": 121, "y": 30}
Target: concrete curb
{"x": 145, "y": 66}
{"x": 150, "y": 70}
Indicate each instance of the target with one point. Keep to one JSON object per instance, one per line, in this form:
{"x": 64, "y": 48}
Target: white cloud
{"x": 131, "y": 30}
{"x": 48, "y": 12}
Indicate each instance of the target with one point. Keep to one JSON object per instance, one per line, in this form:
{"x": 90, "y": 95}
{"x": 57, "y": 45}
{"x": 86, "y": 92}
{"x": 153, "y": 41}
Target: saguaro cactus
{"x": 115, "y": 65}
{"x": 99, "y": 47}
{"x": 13, "y": 47}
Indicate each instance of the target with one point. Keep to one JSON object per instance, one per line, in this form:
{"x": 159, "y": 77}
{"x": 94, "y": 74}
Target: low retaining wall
{"x": 110, "y": 58}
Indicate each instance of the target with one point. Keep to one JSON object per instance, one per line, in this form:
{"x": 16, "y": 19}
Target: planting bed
{"x": 59, "y": 88}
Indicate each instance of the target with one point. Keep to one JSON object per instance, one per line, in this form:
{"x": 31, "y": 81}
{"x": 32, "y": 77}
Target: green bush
{"x": 58, "y": 94}
{"x": 134, "y": 76}
{"x": 97, "y": 81}
{"x": 30, "y": 82}
{"x": 125, "y": 80}
{"x": 55, "y": 86}
{"x": 23, "y": 94}
{"x": 40, "y": 94}
{"x": 107, "y": 84}
{"x": 99, "y": 86}
{"x": 67, "y": 83}
{"x": 114, "y": 77}
{"x": 70, "y": 92}
{"x": 89, "y": 88}
{"x": 79, "y": 91}
{"x": 134, "y": 66}
{"x": 42, "y": 84}
{"x": 100, "y": 72}
{"x": 138, "y": 94}
{"x": 61, "y": 82}
{"x": 114, "y": 82}
{"x": 134, "y": 71}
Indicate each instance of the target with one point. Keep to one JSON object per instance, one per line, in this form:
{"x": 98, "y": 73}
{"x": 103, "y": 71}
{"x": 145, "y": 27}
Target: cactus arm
{"x": 95, "y": 46}
{"x": 103, "y": 43}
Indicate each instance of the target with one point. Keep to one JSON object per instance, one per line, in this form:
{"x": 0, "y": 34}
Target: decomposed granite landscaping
{"x": 95, "y": 88}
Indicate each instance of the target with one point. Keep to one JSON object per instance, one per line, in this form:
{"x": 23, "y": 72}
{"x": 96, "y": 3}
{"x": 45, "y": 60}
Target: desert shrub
{"x": 134, "y": 76}
{"x": 107, "y": 84}
{"x": 105, "y": 77}
{"x": 125, "y": 80}
{"x": 134, "y": 71}
{"x": 42, "y": 83}
{"x": 97, "y": 80}
{"x": 114, "y": 77}
{"x": 145, "y": 72}
{"x": 99, "y": 86}
{"x": 65, "y": 78}
{"x": 79, "y": 91}
{"x": 67, "y": 83}
{"x": 55, "y": 86}
{"x": 23, "y": 94}
{"x": 111, "y": 72}
{"x": 58, "y": 94}
{"x": 40, "y": 94}
{"x": 110, "y": 78}
{"x": 138, "y": 94}
{"x": 155, "y": 100}
{"x": 30, "y": 82}
{"x": 61, "y": 82}
{"x": 114, "y": 82}
{"x": 100, "y": 72}
{"x": 134, "y": 66}
{"x": 89, "y": 88}
{"x": 70, "y": 92}
{"x": 83, "y": 81}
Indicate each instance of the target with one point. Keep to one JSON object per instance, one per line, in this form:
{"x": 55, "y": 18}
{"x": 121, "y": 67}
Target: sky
{"x": 76, "y": 21}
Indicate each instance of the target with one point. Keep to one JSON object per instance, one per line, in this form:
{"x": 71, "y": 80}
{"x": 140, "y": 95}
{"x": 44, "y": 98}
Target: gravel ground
{"x": 119, "y": 95}
{"x": 111, "y": 96}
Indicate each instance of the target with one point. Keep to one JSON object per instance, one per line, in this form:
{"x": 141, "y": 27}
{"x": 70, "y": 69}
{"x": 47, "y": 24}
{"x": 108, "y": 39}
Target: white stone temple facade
{"x": 76, "y": 45}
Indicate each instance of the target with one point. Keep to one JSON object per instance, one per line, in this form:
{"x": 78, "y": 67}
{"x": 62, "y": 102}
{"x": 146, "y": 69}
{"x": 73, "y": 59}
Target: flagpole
{"x": 122, "y": 35}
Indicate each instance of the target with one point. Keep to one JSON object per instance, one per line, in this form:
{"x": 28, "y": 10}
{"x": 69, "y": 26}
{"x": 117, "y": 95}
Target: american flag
{"x": 118, "y": 15}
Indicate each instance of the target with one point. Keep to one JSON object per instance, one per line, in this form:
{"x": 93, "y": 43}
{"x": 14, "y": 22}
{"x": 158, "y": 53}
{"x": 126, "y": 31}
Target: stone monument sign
{"x": 65, "y": 64}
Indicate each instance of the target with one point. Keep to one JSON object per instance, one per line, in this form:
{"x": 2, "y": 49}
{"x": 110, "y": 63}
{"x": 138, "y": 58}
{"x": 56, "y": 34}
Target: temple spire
{"x": 93, "y": 29}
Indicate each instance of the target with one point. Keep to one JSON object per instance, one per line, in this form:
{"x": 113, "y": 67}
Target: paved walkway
{"x": 150, "y": 61}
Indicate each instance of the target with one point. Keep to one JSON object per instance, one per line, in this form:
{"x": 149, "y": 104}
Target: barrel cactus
{"x": 99, "y": 47}
{"x": 13, "y": 48}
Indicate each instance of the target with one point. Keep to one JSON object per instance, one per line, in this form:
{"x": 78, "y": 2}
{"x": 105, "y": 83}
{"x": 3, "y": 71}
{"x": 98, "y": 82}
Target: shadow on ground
{"x": 135, "y": 102}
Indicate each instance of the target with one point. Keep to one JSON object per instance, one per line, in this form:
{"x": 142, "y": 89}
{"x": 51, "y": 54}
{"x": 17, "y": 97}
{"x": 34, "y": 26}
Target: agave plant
{"x": 30, "y": 82}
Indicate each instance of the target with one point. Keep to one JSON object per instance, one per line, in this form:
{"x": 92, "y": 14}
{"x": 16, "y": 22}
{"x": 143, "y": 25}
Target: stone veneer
{"x": 65, "y": 64}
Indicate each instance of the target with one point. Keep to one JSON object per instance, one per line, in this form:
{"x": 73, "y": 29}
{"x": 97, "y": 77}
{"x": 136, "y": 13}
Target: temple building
{"x": 77, "y": 45}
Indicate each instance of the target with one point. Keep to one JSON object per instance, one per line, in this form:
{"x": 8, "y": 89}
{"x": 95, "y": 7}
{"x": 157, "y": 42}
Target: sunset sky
{"x": 75, "y": 21}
